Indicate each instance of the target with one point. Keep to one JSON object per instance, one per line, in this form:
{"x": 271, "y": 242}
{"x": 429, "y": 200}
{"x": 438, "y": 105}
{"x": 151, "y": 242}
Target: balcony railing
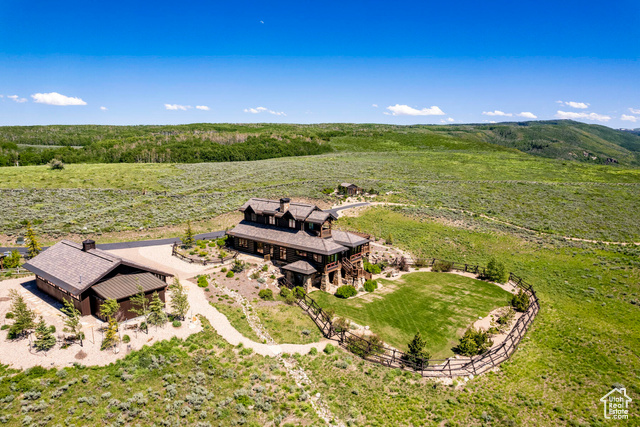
{"x": 332, "y": 267}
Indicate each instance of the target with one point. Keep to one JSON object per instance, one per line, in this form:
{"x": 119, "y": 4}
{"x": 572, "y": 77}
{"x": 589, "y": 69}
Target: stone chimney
{"x": 88, "y": 245}
{"x": 284, "y": 204}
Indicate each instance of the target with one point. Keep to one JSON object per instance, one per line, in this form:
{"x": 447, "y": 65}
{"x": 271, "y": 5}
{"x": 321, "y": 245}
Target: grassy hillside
{"x": 34, "y": 145}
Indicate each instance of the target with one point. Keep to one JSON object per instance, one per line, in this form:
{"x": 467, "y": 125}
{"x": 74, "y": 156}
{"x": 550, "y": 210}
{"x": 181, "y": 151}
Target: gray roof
{"x": 300, "y": 211}
{"x": 319, "y": 217}
{"x": 348, "y": 184}
{"x": 348, "y": 239}
{"x": 126, "y": 285}
{"x": 66, "y": 265}
{"x": 300, "y": 267}
{"x": 297, "y": 239}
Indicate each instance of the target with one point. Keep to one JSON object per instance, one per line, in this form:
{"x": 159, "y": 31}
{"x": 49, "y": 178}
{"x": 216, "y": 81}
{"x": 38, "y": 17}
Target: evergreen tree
{"x": 179, "y": 300}
{"x": 417, "y": 352}
{"x": 189, "y": 239}
{"x": 71, "y": 320}
{"x": 495, "y": 271}
{"x": 389, "y": 239}
{"x": 32, "y": 242}
{"x": 157, "y": 316}
{"x": 24, "y": 318}
{"x": 44, "y": 337}
{"x": 140, "y": 306}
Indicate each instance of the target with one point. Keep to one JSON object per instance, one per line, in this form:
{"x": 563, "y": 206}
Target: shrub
{"x": 313, "y": 351}
{"x": 442, "y": 266}
{"x": 285, "y": 292}
{"x": 9, "y": 315}
{"x": 290, "y": 299}
{"x": 230, "y": 274}
{"x": 177, "y": 323}
{"x": 346, "y": 291}
{"x": 364, "y": 346}
{"x": 223, "y": 270}
{"x": 4, "y": 327}
{"x": 238, "y": 266}
{"x": 494, "y": 272}
{"x": 255, "y": 275}
{"x": 52, "y": 329}
{"x": 126, "y": 338}
{"x": 266, "y": 294}
{"x": 370, "y": 285}
{"x": 329, "y": 348}
{"x": 265, "y": 268}
{"x": 473, "y": 342}
{"x": 520, "y": 301}
{"x": 372, "y": 268}
{"x": 55, "y": 164}
{"x": 505, "y": 317}
{"x": 203, "y": 282}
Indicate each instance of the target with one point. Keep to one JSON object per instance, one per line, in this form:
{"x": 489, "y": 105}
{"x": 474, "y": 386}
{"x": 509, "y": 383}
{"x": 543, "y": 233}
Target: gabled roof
{"x": 299, "y": 211}
{"x": 319, "y": 217}
{"x": 126, "y": 285}
{"x": 348, "y": 239}
{"x": 296, "y": 239}
{"x": 300, "y": 267}
{"x": 348, "y": 184}
{"x": 66, "y": 265}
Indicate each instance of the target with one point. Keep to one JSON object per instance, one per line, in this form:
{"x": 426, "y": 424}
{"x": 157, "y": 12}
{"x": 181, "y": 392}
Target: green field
{"x": 287, "y": 324}
{"x": 439, "y": 305}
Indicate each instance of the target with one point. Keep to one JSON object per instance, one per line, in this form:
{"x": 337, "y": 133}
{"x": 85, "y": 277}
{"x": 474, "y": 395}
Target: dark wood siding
{"x": 81, "y": 303}
{"x": 125, "y": 312}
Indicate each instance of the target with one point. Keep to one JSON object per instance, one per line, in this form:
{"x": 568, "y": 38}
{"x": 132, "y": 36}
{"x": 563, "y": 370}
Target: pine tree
{"x": 33, "y": 245}
{"x": 44, "y": 337}
{"x": 157, "y": 316}
{"x": 24, "y": 318}
{"x": 71, "y": 320}
{"x": 417, "y": 351}
{"x": 188, "y": 240}
{"x": 140, "y": 306}
{"x": 179, "y": 300}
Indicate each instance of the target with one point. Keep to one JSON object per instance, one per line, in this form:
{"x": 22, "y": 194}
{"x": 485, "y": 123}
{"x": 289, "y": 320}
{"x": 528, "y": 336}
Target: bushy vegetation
{"x": 203, "y": 282}
{"x": 520, "y": 301}
{"x": 474, "y": 342}
{"x": 23, "y": 317}
{"x": 442, "y": 266}
{"x": 372, "y": 268}
{"x": 494, "y": 271}
{"x": 370, "y": 285}
{"x": 266, "y": 294}
{"x": 346, "y": 291}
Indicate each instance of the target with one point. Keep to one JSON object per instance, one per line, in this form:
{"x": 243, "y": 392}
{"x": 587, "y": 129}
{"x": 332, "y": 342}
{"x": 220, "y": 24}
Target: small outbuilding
{"x": 88, "y": 276}
{"x": 350, "y": 189}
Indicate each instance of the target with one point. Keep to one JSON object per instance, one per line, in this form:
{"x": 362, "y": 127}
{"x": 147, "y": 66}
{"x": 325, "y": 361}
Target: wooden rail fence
{"x": 452, "y": 367}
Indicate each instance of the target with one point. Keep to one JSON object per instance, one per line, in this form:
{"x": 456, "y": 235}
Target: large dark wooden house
{"x": 300, "y": 238}
{"x": 88, "y": 276}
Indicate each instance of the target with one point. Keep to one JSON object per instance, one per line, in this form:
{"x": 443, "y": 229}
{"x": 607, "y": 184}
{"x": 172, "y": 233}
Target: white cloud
{"x": 497, "y": 113}
{"x": 104, "y": 108}
{"x": 177, "y": 107}
{"x": 628, "y": 118}
{"x": 17, "y": 98}
{"x": 202, "y": 107}
{"x": 573, "y": 104}
{"x": 527, "y": 115}
{"x": 54, "y": 98}
{"x": 587, "y": 116}
{"x": 489, "y": 121}
{"x": 374, "y": 105}
{"x": 405, "y": 110}
{"x": 262, "y": 110}
{"x": 635, "y": 110}
{"x": 450, "y": 119}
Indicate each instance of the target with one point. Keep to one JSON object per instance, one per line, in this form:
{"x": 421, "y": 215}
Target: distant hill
{"x": 563, "y": 139}
{"x": 206, "y": 142}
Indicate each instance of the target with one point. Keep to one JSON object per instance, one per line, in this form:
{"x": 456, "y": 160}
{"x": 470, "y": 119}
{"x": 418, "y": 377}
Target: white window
{"x": 272, "y": 220}
{"x": 292, "y": 223}
{"x": 253, "y": 217}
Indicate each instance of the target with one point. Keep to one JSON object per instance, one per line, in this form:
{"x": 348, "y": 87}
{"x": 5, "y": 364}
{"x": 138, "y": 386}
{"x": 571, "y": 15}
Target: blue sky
{"x": 139, "y": 62}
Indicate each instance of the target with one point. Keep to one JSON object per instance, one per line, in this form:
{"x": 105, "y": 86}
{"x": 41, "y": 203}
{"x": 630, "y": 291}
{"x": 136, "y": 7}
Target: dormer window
{"x": 272, "y": 220}
{"x": 292, "y": 223}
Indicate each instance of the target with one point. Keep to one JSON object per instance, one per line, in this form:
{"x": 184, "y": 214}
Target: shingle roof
{"x": 348, "y": 239}
{"x": 66, "y": 265}
{"x": 297, "y": 239}
{"x": 300, "y": 267}
{"x": 300, "y": 211}
{"x": 126, "y": 285}
{"x": 319, "y": 217}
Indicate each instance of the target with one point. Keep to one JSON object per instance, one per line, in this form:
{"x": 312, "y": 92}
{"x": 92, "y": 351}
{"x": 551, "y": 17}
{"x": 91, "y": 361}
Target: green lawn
{"x": 439, "y": 305}
{"x": 237, "y": 319}
{"x": 288, "y": 324}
